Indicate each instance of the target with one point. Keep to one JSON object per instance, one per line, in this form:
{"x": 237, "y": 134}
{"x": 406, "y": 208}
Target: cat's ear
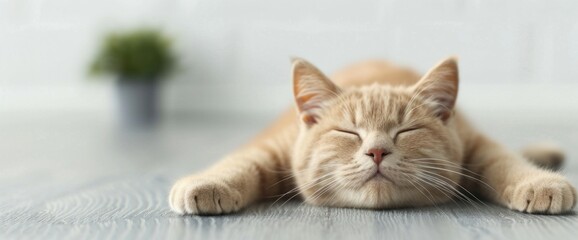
{"x": 440, "y": 86}
{"x": 312, "y": 89}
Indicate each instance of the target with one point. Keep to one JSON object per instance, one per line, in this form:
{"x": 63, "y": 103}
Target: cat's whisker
{"x": 280, "y": 181}
{"x": 442, "y": 188}
{"x": 352, "y": 173}
{"x": 300, "y": 192}
{"x": 297, "y": 190}
{"x": 452, "y": 168}
{"x": 430, "y": 199}
{"x": 333, "y": 195}
{"x": 304, "y": 186}
{"x": 445, "y": 187}
{"x": 350, "y": 167}
{"x": 403, "y": 168}
{"x": 459, "y": 173}
{"x": 312, "y": 182}
{"x": 409, "y": 179}
{"x": 343, "y": 175}
{"x": 445, "y": 160}
{"x": 435, "y": 204}
{"x": 438, "y": 176}
{"x": 291, "y": 175}
{"x": 447, "y": 191}
{"x": 439, "y": 160}
{"x": 277, "y": 171}
{"x": 428, "y": 165}
{"x": 447, "y": 163}
{"x": 321, "y": 191}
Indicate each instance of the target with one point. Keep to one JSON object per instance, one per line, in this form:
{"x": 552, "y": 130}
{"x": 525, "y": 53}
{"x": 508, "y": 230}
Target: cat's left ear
{"x": 312, "y": 89}
{"x": 440, "y": 86}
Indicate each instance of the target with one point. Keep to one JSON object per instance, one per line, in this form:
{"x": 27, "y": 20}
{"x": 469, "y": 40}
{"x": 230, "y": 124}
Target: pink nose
{"x": 377, "y": 154}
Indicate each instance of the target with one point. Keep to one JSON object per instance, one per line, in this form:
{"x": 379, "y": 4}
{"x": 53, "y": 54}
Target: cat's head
{"x": 377, "y": 146}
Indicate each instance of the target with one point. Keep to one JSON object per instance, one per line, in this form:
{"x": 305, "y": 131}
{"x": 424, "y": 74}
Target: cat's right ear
{"x": 440, "y": 87}
{"x": 311, "y": 89}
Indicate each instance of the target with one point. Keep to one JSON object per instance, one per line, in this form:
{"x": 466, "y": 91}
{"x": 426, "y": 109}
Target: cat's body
{"x": 379, "y": 138}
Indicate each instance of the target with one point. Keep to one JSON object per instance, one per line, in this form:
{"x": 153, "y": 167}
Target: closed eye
{"x": 348, "y": 132}
{"x": 404, "y": 131}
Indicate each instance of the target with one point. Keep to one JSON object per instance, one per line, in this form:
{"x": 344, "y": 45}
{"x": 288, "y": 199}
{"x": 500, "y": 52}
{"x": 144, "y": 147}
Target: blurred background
{"x": 232, "y": 74}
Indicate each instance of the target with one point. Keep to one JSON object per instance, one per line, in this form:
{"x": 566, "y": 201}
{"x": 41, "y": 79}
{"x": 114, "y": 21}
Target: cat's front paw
{"x": 204, "y": 197}
{"x": 543, "y": 194}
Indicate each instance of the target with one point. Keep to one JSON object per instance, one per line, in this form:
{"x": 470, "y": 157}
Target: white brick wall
{"x": 234, "y": 51}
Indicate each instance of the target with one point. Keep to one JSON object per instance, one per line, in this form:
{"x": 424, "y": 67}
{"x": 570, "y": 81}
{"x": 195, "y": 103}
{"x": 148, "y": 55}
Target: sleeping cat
{"x": 377, "y": 136}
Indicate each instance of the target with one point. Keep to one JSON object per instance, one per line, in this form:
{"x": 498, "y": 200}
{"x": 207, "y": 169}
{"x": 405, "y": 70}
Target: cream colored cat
{"x": 381, "y": 137}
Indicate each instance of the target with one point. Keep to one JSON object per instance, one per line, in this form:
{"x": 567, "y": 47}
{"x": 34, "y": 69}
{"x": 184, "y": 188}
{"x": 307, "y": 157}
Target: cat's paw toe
{"x": 552, "y": 195}
{"x": 203, "y": 197}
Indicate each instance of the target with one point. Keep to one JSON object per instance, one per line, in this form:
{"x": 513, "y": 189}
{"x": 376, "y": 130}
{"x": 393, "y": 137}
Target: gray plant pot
{"x": 138, "y": 102}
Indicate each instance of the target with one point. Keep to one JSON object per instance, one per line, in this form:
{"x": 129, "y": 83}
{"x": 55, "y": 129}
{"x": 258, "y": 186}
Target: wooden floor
{"x": 79, "y": 177}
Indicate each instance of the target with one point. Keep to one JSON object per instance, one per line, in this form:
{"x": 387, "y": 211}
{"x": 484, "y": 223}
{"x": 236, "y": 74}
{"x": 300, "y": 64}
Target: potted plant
{"x": 139, "y": 59}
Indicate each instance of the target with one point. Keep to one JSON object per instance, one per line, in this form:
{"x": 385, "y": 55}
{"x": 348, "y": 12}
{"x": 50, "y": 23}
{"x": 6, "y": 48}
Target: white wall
{"x": 235, "y": 53}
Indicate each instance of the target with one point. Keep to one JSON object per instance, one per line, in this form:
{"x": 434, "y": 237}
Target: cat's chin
{"x": 380, "y": 178}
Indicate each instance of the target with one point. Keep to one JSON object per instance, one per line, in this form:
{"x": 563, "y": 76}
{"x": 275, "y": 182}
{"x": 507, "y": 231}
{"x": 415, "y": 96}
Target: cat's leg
{"x": 516, "y": 183}
{"x": 235, "y": 182}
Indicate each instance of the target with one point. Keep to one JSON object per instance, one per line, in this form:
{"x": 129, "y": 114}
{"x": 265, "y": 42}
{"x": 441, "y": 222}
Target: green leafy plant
{"x": 138, "y": 55}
